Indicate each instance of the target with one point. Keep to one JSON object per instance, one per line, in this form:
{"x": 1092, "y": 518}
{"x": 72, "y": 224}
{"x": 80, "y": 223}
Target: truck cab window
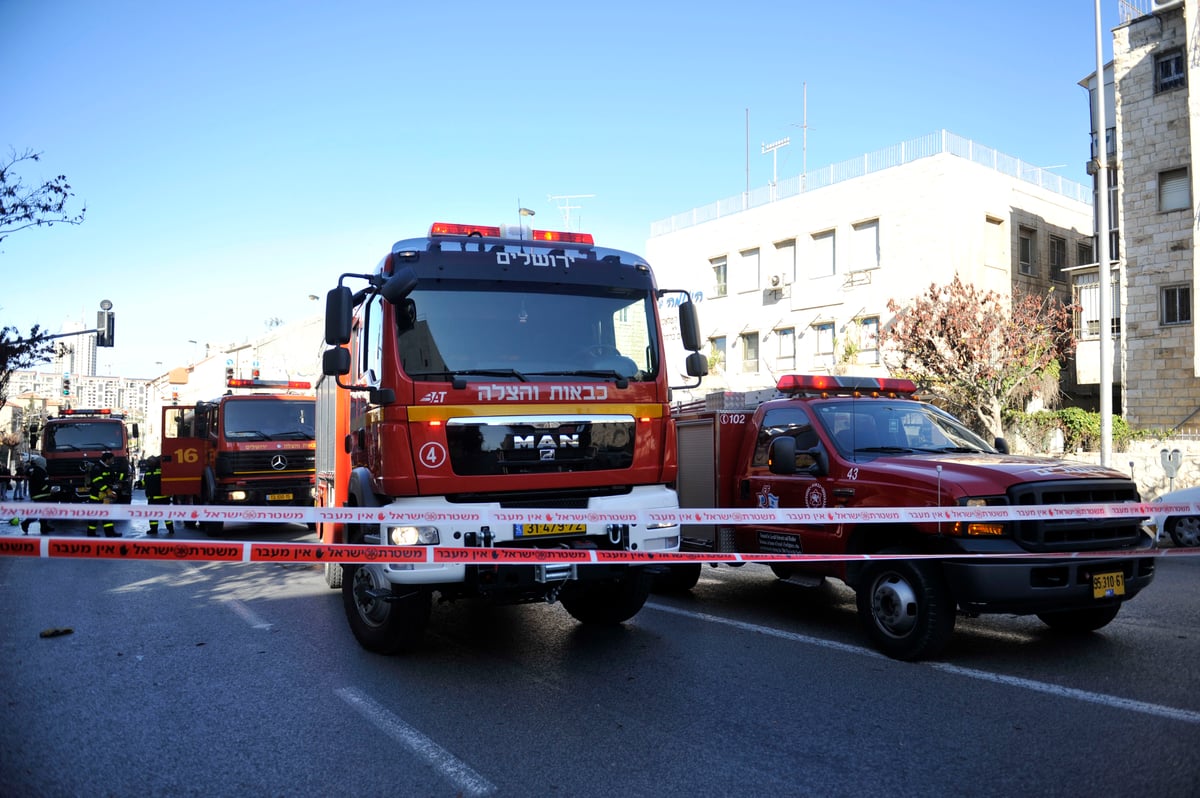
{"x": 790, "y": 421}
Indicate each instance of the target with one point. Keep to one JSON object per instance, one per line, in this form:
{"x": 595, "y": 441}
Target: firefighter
{"x": 152, "y": 482}
{"x": 101, "y": 478}
{"x": 39, "y": 491}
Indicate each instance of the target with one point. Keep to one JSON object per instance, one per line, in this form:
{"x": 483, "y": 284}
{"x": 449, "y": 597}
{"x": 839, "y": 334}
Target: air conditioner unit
{"x": 1164, "y": 5}
{"x": 780, "y": 280}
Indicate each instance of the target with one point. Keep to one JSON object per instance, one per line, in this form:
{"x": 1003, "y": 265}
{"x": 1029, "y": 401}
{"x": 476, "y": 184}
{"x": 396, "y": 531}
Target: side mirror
{"x": 781, "y": 455}
{"x": 689, "y": 327}
{"x": 339, "y": 312}
{"x": 399, "y": 286}
{"x": 696, "y": 365}
{"x": 1001, "y": 446}
{"x": 336, "y": 362}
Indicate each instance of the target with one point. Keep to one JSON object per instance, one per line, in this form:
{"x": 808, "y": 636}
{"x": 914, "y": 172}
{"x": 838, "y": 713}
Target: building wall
{"x": 1162, "y": 389}
{"x": 934, "y": 216}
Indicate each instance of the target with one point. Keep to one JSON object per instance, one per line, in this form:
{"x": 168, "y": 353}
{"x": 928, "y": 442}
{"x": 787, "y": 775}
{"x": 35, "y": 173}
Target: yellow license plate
{"x": 526, "y": 530}
{"x": 1107, "y": 585}
{"x": 279, "y": 497}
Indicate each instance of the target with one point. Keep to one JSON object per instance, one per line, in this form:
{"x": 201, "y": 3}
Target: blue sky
{"x": 236, "y": 157}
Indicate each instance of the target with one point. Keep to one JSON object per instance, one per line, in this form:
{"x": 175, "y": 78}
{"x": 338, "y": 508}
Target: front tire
{"x": 333, "y": 575}
{"x": 677, "y": 578}
{"x": 212, "y": 528}
{"x": 609, "y": 602}
{"x": 1185, "y": 530}
{"x": 384, "y": 619}
{"x": 1080, "y": 621}
{"x": 905, "y": 607}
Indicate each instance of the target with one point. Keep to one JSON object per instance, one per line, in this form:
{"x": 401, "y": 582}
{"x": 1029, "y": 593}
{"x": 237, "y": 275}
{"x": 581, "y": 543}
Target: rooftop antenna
{"x": 773, "y": 148}
{"x": 566, "y": 207}
{"x": 804, "y": 145}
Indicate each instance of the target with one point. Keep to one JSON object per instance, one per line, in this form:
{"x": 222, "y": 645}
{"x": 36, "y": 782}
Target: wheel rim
{"x": 372, "y": 611}
{"x": 1186, "y": 531}
{"x": 894, "y": 605}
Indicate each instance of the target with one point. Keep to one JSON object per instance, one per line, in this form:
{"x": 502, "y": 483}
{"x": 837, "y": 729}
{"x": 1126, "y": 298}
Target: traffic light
{"x": 66, "y": 384}
{"x": 105, "y": 324}
{"x": 228, "y": 372}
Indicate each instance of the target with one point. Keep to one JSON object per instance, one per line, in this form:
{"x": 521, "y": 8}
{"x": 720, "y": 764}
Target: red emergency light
{"x": 566, "y": 238}
{"x": 87, "y": 411}
{"x": 451, "y": 229}
{"x": 830, "y": 384}
{"x": 291, "y": 384}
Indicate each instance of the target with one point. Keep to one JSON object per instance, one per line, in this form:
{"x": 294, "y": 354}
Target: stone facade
{"x": 1154, "y": 109}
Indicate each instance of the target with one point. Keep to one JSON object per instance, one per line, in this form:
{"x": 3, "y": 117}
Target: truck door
{"x": 805, "y": 488}
{"x": 182, "y": 452}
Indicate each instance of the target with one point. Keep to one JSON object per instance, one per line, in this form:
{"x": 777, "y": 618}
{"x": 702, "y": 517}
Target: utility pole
{"x": 566, "y": 207}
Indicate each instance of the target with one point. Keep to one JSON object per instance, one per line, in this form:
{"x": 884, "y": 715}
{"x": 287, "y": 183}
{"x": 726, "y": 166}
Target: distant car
{"x": 1182, "y": 526}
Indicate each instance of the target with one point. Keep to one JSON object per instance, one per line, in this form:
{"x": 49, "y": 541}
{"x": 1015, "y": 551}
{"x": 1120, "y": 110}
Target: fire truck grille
{"x": 1076, "y": 534}
{"x": 277, "y": 463}
{"x": 555, "y": 500}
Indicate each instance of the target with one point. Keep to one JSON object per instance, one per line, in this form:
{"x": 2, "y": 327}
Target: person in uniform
{"x": 39, "y": 491}
{"x": 152, "y": 482}
{"x": 101, "y": 478}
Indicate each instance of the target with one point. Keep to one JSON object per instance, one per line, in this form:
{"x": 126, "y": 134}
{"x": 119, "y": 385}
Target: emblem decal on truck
{"x": 815, "y": 495}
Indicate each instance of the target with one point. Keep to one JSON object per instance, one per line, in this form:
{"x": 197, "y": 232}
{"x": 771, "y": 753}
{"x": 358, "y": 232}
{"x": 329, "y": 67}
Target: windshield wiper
{"x": 472, "y": 372}
{"x": 888, "y": 449}
{"x": 256, "y": 434}
{"x": 292, "y": 435}
{"x": 621, "y": 380}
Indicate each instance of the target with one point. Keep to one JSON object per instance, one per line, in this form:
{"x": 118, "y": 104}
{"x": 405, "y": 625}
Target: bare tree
{"x": 23, "y": 206}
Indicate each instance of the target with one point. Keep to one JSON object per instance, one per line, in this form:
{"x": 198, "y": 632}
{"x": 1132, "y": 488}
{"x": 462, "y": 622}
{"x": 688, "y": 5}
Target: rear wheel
{"x": 1185, "y": 530}
{"x": 1082, "y": 621}
{"x": 905, "y": 607}
{"x": 608, "y": 602}
{"x": 333, "y": 575}
{"x": 212, "y": 528}
{"x": 384, "y": 619}
{"x": 678, "y": 578}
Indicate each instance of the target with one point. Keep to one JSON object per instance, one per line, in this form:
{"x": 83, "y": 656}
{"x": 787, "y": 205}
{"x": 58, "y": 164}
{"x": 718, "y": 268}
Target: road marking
{"x": 451, "y": 767}
{"x": 248, "y": 615}
{"x": 1114, "y": 702}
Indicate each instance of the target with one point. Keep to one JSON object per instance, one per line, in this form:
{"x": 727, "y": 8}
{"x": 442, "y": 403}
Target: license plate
{"x": 279, "y": 497}
{"x": 1108, "y": 585}
{"x": 527, "y": 530}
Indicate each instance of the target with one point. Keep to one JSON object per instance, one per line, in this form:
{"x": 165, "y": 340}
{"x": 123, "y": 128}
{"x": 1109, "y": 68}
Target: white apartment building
{"x": 797, "y": 277}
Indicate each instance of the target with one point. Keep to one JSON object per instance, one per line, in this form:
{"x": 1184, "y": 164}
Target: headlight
{"x": 237, "y": 496}
{"x": 662, "y": 525}
{"x": 413, "y": 536}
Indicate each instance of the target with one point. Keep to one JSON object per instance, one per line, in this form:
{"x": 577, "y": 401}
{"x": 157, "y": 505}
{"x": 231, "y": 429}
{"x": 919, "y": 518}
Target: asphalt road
{"x": 182, "y": 678}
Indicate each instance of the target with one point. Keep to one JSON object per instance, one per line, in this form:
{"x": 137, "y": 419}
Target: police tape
{"x": 318, "y": 553}
{"x": 477, "y": 517}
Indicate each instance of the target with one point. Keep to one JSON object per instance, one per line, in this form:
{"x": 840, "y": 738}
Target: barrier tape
{"x": 477, "y": 516}
{"x": 238, "y": 551}
{"x": 316, "y": 553}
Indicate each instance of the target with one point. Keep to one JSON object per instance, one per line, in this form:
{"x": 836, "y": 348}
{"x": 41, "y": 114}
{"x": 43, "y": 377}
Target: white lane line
{"x": 1113, "y": 702}
{"x": 450, "y": 766}
{"x": 248, "y": 615}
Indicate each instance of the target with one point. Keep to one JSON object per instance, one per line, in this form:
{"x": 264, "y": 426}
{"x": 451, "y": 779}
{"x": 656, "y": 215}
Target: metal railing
{"x": 905, "y": 152}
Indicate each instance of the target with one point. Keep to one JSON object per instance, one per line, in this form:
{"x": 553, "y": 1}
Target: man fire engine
{"x": 493, "y": 368}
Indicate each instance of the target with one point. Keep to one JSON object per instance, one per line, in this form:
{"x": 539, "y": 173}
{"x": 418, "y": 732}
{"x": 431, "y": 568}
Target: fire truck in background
{"x": 484, "y": 368}
{"x": 861, "y": 442}
{"x": 251, "y": 449}
{"x": 74, "y": 439}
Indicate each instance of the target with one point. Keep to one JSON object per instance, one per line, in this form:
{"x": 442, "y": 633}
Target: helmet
{"x": 106, "y": 455}
{"x": 38, "y": 461}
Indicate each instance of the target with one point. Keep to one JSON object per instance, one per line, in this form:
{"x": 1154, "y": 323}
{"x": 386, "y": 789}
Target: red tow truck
{"x": 861, "y": 442}
{"x": 483, "y": 368}
{"x": 247, "y": 449}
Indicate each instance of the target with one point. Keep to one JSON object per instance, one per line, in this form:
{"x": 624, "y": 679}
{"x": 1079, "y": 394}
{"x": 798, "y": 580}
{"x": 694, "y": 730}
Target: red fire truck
{"x": 861, "y": 442}
{"x": 251, "y": 449}
{"x": 489, "y": 368}
{"x": 74, "y": 439}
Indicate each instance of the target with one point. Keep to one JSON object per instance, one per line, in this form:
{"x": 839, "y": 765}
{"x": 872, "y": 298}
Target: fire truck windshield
{"x": 526, "y": 331}
{"x": 70, "y": 437}
{"x": 889, "y": 426}
{"x": 267, "y": 419}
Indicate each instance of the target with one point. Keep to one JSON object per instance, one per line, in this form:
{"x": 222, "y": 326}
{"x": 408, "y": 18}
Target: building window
{"x": 1087, "y": 306}
{"x": 865, "y": 246}
{"x": 750, "y": 351}
{"x": 825, "y": 343}
{"x": 1028, "y": 262}
{"x": 995, "y": 250}
{"x": 716, "y": 353}
{"x": 824, "y": 254}
{"x": 1176, "y": 302}
{"x": 748, "y": 277}
{"x": 1168, "y": 71}
{"x": 720, "y": 275}
{"x": 1058, "y": 258}
{"x": 1084, "y": 253}
{"x": 785, "y": 261}
{"x": 787, "y": 347}
{"x": 1174, "y": 190}
{"x": 868, "y": 339}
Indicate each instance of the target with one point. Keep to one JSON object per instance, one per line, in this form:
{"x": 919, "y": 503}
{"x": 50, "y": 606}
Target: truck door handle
{"x": 843, "y": 493}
